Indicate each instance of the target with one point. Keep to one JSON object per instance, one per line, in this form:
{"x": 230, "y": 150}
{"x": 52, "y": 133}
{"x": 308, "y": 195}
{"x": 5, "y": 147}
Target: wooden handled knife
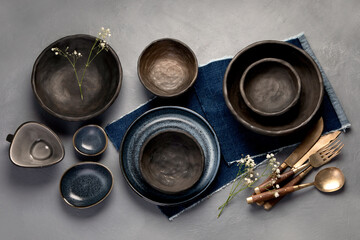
{"x": 310, "y": 139}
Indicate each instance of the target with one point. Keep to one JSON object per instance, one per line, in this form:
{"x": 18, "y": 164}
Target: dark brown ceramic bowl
{"x": 167, "y": 67}
{"x": 171, "y": 161}
{"x": 312, "y": 89}
{"x": 270, "y": 87}
{"x": 55, "y": 85}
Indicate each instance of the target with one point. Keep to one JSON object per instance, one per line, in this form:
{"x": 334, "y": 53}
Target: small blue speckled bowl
{"x": 90, "y": 140}
{"x": 86, "y": 184}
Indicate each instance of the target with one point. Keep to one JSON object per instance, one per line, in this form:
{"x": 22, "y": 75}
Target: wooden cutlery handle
{"x": 282, "y": 167}
{"x": 271, "y": 194}
{"x": 268, "y": 185}
{"x": 268, "y": 205}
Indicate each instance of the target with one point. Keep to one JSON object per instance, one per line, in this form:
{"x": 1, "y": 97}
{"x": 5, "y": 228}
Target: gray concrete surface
{"x": 30, "y": 203}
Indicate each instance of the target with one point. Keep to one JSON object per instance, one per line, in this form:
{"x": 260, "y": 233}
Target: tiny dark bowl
{"x": 55, "y": 86}
{"x": 90, "y": 140}
{"x": 167, "y": 67}
{"x": 311, "y": 96}
{"x": 35, "y": 145}
{"x": 270, "y": 87}
{"x": 86, "y": 184}
{"x": 171, "y": 161}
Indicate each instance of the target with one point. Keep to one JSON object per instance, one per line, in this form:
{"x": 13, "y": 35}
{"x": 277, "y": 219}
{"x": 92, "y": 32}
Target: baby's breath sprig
{"x": 99, "y": 45}
{"x": 246, "y": 176}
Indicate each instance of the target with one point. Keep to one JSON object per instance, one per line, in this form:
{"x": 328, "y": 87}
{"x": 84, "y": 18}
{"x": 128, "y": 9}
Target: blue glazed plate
{"x": 86, "y": 184}
{"x": 159, "y": 120}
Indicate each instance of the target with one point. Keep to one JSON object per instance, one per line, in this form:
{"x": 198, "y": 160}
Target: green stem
{"x": 74, "y": 67}
{"x": 95, "y": 55}
{"x": 86, "y": 66}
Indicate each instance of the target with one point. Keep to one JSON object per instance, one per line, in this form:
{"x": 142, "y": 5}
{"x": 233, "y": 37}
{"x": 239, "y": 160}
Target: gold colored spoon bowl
{"x": 329, "y": 180}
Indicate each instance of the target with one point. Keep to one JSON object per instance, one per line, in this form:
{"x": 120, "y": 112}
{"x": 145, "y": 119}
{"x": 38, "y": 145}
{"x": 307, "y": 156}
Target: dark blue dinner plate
{"x": 86, "y": 184}
{"x": 159, "y": 120}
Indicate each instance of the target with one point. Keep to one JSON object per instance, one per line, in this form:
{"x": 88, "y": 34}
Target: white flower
{"x": 277, "y": 186}
{"x": 276, "y": 194}
{"x": 277, "y": 171}
{"x": 56, "y": 53}
{"x": 104, "y": 33}
{"x": 102, "y": 45}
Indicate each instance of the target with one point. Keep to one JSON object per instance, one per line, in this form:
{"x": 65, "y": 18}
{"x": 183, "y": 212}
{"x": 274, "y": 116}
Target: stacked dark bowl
{"x": 273, "y": 88}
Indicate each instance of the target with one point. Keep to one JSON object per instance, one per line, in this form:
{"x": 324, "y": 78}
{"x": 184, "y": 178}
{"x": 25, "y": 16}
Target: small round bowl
{"x": 90, "y": 141}
{"x": 55, "y": 86}
{"x": 167, "y": 67}
{"x": 270, "y": 87}
{"x": 171, "y": 161}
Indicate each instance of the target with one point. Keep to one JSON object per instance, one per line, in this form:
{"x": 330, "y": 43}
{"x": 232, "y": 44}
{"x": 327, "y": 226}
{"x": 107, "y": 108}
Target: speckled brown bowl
{"x": 270, "y": 87}
{"x": 167, "y": 67}
{"x": 171, "y": 161}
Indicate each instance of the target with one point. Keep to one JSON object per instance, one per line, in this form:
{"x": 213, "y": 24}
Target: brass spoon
{"x": 327, "y": 180}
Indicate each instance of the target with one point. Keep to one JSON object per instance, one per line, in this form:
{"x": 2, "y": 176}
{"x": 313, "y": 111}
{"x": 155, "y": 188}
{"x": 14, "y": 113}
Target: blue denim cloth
{"x": 206, "y": 98}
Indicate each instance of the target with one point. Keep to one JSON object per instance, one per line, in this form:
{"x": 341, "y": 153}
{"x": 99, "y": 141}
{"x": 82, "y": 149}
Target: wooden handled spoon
{"x": 327, "y": 180}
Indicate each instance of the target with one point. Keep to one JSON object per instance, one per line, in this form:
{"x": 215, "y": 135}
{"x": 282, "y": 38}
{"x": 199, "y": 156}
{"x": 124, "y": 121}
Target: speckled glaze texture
{"x": 56, "y": 88}
{"x": 167, "y": 67}
{"x": 35, "y": 145}
{"x": 90, "y": 140}
{"x": 171, "y": 161}
{"x": 160, "y": 120}
{"x": 312, "y": 89}
{"x": 270, "y": 87}
{"x": 86, "y": 184}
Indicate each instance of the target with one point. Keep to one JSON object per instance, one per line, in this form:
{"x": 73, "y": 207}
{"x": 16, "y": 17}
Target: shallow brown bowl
{"x": 167, "y": 67}
{"x": 312, "y": 89}
{"x": 56, "y": 88}
{"x": 270, "y": 87}
{"x": 171, "y": 161}
{"x": 35, "y": 145}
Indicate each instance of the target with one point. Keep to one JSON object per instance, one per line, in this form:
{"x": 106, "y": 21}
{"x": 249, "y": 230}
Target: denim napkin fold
{"x": 206, "y": 98}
